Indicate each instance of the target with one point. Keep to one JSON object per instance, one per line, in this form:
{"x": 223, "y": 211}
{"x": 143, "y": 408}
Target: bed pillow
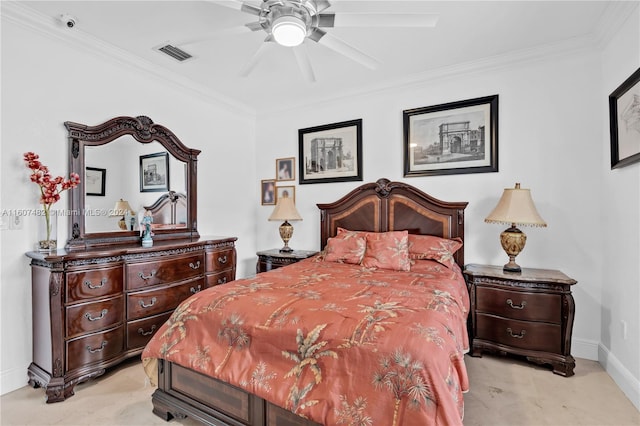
{"x": 387, "y": 250}
{"x": 435, "y": 248}
{"x": 345, "y": 248}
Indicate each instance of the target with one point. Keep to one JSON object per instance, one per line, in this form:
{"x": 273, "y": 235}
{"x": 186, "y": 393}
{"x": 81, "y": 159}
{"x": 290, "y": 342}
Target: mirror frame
{"x": 143, "y": 130}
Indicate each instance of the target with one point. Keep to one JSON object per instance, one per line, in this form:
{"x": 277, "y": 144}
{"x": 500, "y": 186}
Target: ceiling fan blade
{"x": 239, "y": 5}
{"x": 334, "y": 43}
{"x": 254, "y": 26}
{"x": 253, "y": 61}
{"x": 304, "y": 63}
{"x": 418, "y": 20}
{"x": 242, "y": 29}
{"x": 322, "y": 5}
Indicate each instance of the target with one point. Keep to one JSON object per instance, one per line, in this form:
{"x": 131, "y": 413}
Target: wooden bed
{"x": 378, "y": 207}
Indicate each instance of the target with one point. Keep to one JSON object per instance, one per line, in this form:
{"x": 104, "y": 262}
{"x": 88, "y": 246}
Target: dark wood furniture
{"x": 93, "y": 309}
{"x": 379, "y": 206}
{"x": 274, "y": 258}
{"x": 528, "y": 314}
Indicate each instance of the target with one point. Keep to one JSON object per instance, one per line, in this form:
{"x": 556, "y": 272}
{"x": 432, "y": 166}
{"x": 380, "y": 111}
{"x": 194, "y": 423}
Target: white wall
{"x": 46, "y": 82}
{"x": 620, "y": 204}
{"x": 551, "y": 127}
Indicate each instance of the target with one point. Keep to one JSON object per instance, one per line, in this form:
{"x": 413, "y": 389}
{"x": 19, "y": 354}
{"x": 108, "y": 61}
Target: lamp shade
{"x": 285, "y": 210}
{"x": 516, "y": 207}
{"x": 121, "y": 208}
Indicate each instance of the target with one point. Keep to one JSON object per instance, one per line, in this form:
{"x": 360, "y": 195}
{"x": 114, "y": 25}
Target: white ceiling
{"x": 467, "y": 33}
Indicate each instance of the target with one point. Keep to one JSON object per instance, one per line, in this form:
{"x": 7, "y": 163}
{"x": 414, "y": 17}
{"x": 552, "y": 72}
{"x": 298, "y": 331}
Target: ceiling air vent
{"x": 175, "y": 52}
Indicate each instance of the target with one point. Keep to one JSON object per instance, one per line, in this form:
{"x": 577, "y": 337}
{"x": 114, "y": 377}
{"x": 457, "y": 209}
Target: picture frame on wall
{"x": 289, "y": 191}
{"x": 154, "y": 172}
{"x": 330, "y": 153}
{"x": 268, "y": 192}
{"x": 95, "y": 181}
{"x": 285, "y": 169}
{"x": 453, "y": 138}
{"x": 624, "y": 122}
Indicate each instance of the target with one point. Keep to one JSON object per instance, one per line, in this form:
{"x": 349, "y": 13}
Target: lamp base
{"x": 122, "y": 224}
{"x": 286, "y": 249}
{"x": 512, "y": 241}
{"x": 286, "y": 231}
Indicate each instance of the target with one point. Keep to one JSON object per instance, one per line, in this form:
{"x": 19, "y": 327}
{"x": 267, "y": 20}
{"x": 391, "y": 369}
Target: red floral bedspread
{"x": 336, "y": 343}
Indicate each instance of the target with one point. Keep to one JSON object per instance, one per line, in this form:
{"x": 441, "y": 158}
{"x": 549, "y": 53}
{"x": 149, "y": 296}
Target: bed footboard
{"x": 185, "y": 393}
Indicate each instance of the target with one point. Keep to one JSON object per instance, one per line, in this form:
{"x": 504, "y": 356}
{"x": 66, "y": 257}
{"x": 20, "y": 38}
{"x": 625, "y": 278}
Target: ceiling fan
{"x": 291, "y": 22}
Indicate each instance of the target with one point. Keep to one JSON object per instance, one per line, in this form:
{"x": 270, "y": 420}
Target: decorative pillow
{"x": 431, "y": 247}
{"x": 345, "y": 248}
{"x": 387, "y": 250}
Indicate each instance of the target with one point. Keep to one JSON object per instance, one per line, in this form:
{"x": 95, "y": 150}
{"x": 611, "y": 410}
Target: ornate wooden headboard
{"x": 169, "y": 211}
{"x": 393, "y": 206}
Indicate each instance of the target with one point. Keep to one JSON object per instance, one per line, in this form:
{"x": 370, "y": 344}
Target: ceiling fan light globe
{"x": 289, "y": 31}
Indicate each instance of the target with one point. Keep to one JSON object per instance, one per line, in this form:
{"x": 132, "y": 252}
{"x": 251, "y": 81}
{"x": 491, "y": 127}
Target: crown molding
{"x": 22, "y": 15}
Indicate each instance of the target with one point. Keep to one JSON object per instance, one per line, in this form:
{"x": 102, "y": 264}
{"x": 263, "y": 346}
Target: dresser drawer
{"x": 533, "y": 336}
{"x": 141, "y": 331}
{"x": 82, "y": 285}
{"x": 220, "y": 260}
{"x": 94, "y": 348}
{"x": 519, "y": 304}
{"x": 88, "y": 317}
{"x": 165, "y": 271}
{"x": 220, "y": 278}
{"x": 151, "y": 302}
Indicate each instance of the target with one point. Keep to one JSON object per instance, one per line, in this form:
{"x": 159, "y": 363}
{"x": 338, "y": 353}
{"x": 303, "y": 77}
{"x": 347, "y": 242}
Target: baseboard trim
{"x": 585, "y": 349}
{"x": 13, "y": 379}
{"x": 629, "y": 385}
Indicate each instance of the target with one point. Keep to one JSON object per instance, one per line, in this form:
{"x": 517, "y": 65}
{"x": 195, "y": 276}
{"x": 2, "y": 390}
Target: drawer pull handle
{"x": 93, "y": 351}
{"x": 516, "y": 336}
{"x": 222, "y": 280}
{"x": 223, "y": 259}
{"x": 153, "y": 302}
{"x": 147, "y": 277}
{"x": 194, "y": 265}
{"x": 522, "y": 305}
{"x": 195, "y": 290}
{"x": 102, "y": 314}
{"x": 93, "y": 287}
{"x": 146, "y": 333}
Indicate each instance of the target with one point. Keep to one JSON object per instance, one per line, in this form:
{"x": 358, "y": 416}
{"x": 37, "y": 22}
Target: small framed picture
{"x": 454, "y": 138}
{"x": 285, "y": 169}
{"x": 286, "y": 191}
{"x": 154, "y": 172}
{"x": 624, "y": 122}
{"x": 331, "y": 152}
{"x": 268, "y": 192}
{"x": 94, "y": 181}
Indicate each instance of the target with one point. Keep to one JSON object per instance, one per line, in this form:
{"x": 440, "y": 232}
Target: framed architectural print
{"x": 331, "y": 153}
{"x": 624, "y": 122}
{"x": 285, "y": 169}
{"x": 268, "y": 192}
{"x": 154, "y": 172}
{"x": 453, "y": 138}
{"x": 95, "y": 180}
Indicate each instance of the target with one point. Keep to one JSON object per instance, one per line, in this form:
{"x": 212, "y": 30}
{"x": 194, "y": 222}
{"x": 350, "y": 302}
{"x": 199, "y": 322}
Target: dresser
{"x": 528, "y": 314}
{"x": 95, "y": 308}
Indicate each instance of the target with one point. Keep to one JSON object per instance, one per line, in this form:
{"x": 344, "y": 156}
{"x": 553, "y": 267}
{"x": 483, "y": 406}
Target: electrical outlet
{"x": 15, "y": 222}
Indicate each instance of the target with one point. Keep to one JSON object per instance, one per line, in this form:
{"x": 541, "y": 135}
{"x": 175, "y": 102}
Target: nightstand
{"x": 274, "y": 258}
{"x": 528, "y": 314}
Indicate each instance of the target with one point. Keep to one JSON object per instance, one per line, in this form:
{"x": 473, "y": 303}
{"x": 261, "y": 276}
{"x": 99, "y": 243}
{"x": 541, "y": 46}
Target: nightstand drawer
{"x": 533, "y": 336}
{"x": 519, "y": 304}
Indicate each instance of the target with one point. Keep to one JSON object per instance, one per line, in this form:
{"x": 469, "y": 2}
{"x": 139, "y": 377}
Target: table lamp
{"x": 121, "y": 208}
{"x": 516, "y": 208}
{"x": 285, "y": 210}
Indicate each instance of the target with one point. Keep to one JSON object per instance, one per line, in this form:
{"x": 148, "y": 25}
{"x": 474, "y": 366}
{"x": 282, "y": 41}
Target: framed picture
{"x": 453, "y": 138}
{"x": 624, "y": 122}
{"x": 331, "y": 153}
{"x": 154, "y": 172}
{"x": 94, "y": 181}
{"x": 286, "y": 191}
{"x": 285, "y": 169}
{"x": 268, "y": 192}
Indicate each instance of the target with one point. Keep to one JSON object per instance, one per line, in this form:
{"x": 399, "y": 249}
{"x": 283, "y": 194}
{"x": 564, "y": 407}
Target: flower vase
{"x": 47, "y": 232}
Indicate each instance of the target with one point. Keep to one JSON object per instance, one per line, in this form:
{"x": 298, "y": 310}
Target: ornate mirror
{"x": 127, "y": 166}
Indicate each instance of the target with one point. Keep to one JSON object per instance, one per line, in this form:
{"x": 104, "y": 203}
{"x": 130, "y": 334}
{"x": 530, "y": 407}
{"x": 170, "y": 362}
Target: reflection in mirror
{"x": 121, "y": 160}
